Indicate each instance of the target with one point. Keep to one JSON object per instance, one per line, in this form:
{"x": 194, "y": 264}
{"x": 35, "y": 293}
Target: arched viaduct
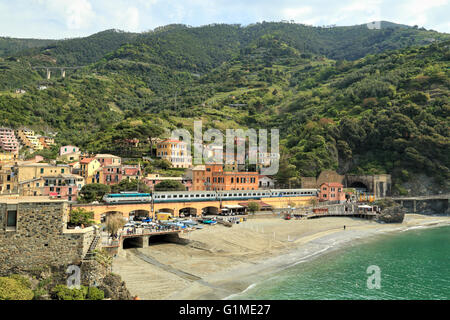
{"x": 175, "y": 208}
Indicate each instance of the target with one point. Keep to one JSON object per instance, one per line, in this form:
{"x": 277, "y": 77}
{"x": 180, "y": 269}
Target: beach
{"x": 220, "y": 262}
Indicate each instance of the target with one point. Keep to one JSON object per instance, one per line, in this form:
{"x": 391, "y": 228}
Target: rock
{"x": 114, "y": 288}
{"x": 393, "y": 214}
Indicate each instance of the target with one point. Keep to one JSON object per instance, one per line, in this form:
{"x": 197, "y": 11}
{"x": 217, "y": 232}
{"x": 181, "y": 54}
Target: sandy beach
{"x": 220, "y": 262}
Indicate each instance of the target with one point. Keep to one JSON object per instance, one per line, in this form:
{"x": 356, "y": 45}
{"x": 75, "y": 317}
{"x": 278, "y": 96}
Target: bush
{"x": 13, "y": 289}
{"x": 62, "y": 292}
{"x": 95, "y": 294}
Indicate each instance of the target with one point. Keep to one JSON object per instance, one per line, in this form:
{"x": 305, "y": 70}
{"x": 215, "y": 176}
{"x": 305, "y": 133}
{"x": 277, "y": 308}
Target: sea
{"x": 409, "y": 265}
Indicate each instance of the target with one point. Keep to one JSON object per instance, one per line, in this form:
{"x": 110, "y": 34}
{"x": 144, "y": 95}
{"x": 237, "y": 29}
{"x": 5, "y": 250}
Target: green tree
{"x": 114, "y": 223}
{"x": 94, "y": 192}
{"x": 170, "y": 185}
{"x": 130, "y": 185}
{"x": 80, "y": 216}
{"x": 14, "y": 289}
{"x": 253, "y": 207}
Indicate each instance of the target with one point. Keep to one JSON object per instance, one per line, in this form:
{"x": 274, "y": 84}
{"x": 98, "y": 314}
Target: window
{"x": 11, "y": 220}
{"x": 42, "y": 170}
{"x": 62, "y": 170}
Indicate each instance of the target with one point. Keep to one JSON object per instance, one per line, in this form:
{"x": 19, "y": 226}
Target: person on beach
{"x": 344, "y": 227}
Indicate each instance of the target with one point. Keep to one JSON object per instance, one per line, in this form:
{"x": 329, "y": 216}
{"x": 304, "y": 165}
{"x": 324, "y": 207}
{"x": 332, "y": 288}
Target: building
{"x": 28, "y": 138}
{"x": 28, "y": 171}
{"x": 62, "y": 186}
{"x": 7, "y": 157}
{"x": 175, "y": 151}
{"x": 112, "y": 174}
{"x": 266, "y": 183}
{"x": 8, "y": 140}
{"x": 47, "y": 142}
{"x": 332, "y": 191}
{"x": 108, "y": 160}
{"x": 131, "y": 171}
{"x": 90, "y": 170}
{"x": 68, "y": 149}
{"x": 8, "y": 179}
{"x": 213, "y": 177}
{"x": 34, "y": 234}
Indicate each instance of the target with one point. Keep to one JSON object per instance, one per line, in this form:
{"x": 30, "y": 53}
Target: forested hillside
{"x": 350, "y": 98}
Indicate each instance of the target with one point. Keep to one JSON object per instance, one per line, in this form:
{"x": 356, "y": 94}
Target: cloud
{"x": 73, "y": 18}
{"x": 77, "y": 14}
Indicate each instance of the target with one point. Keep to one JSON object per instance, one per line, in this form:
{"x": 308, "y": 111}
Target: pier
{"x": 431, "y": 203}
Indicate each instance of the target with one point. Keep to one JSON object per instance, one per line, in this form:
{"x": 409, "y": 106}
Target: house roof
{"x": 333, "y": 184}
{"x": 105, "y": 156}
{"x": 87, "y": 160}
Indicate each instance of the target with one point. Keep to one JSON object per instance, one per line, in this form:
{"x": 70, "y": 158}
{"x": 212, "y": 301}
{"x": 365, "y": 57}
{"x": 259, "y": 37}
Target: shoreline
{"x": 222, "y": 267}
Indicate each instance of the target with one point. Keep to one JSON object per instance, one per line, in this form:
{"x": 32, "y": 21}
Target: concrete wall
{"x": 40, "y": 238}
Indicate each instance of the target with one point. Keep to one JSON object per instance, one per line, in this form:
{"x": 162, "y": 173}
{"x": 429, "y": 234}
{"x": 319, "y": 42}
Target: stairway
{"x": 90, "y": 254}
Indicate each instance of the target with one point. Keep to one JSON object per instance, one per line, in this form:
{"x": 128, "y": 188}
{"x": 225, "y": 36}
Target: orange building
{"x": 213, "y": 177}
{"x": 332, "y": 191}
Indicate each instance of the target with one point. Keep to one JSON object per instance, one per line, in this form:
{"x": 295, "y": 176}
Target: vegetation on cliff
{"x": 348, "y": 98}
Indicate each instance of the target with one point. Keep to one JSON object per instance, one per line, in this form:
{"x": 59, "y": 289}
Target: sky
{"x": 58, "y": 19}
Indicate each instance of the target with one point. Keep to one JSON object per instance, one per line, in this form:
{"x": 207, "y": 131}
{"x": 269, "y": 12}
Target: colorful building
{"x": 108, "y": 160}
{"x": 175, "y": 151}
{"x": 90, "y": 170}
{"x": 28, "y": 138}
{"x": 63, "y": 186}
{"x": 47, "y": 142}
{"x": 213, "y": 177}
{"x": 68, "y": 149}
{"x": 8, "y": 140}
{"x": 332, "y": 191}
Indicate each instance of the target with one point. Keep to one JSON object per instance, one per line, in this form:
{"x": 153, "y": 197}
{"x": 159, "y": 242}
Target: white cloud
{"x": 73, "y": 18}
{"x": 77, "y": 14}
{"x": 131, "y": 19}
{"x": 297, "y": 13}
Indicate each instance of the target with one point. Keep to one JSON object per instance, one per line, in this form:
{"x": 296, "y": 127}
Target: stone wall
{"x": 40, "y": 238}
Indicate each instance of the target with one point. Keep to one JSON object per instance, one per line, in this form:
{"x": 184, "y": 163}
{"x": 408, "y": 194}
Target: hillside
{"x": 341, "y": 97}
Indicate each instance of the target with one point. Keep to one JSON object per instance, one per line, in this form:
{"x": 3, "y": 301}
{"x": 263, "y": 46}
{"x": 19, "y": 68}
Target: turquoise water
{"x": 414, "y": 264}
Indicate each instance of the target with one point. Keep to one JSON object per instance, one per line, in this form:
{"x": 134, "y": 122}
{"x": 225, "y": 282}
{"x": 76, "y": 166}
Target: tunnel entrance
{"x": 160, "y": 239}
{"x": 359, "y": 186}
{"x": 137, "y": 242}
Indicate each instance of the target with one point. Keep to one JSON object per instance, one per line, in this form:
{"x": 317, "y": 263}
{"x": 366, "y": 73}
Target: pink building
{"x": 63, "y": 186}
{"x": 111, "y": 174}
{"x": 332, "y": 191}
{"x": 108, "y": 160}
{"x": 131, "y": 171}
{"x": 68, "y": 149}
{"x": 8, "y": 140}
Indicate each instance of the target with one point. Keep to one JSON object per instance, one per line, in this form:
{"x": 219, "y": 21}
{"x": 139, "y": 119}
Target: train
{"x": 190, "y": 196}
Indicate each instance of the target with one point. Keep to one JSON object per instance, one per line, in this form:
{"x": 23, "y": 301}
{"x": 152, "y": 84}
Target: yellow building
{"x": 31, "y": 171}
{"x": 90, "y": 170}
{"x": 8, "y": 179}
{"x": 29, "y": 139}
{"x": 175, "y": 152}
{"x": 7, "y": 157}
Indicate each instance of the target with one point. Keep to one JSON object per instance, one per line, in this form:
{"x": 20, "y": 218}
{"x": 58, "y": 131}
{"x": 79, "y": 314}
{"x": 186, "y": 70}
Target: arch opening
{"x": 165, "y": 210}
{"x": 210, "y": 211}
{"x": 139, "y": 214}
{"x": 137, "y": 242}
{"x": 188, "y": 212}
